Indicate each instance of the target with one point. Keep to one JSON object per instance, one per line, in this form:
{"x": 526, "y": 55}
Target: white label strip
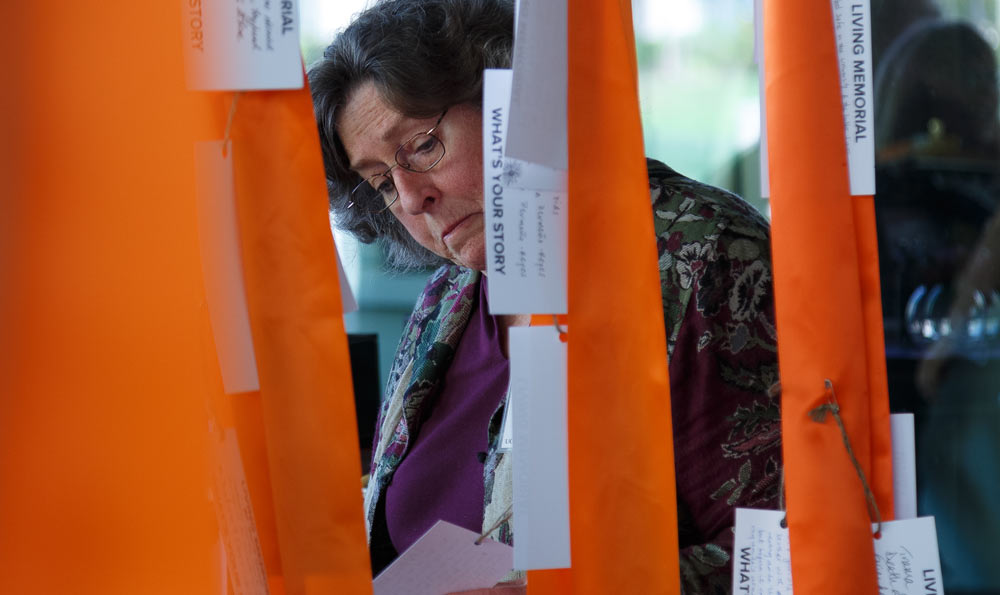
{"x": 538, "y": 129}
{"x": 526, "y": 217}
{"x": 852, "y": 27}
{"x": 241, "y": 44}
{"x": 904, "y": 466}
{"x": 222, "y": 267}
{"x": 541, "y": 455}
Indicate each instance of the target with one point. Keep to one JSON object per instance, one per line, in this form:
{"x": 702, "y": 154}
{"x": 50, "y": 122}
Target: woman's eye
{"x": 426, "y": 145}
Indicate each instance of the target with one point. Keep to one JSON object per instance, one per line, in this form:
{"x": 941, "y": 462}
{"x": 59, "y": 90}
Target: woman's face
{"x": 442, "y": 208}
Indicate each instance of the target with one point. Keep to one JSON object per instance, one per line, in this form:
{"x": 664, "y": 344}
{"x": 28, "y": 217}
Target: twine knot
{"x": 818, "y": 415}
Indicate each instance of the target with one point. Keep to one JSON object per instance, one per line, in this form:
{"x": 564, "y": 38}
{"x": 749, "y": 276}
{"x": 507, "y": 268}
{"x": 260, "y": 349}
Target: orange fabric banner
{"x": 623, "y": 535}
{"x": 827, "y": 307}
{"x": 103, "y": 433}
{"x": 301, "y": 346}
{"x": 109, "y": 380}
{"x": 878, "y": 381}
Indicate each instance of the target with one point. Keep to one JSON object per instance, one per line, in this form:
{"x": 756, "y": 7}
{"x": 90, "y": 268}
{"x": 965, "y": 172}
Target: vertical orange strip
{"x": 103, "y": 426}
{"x": 622, "y": 496}
{"x": 301, "y": 347}
{"x": 878, "y": 382}
{"x": 105, "y": 386}
{"x": 819, "y": 305}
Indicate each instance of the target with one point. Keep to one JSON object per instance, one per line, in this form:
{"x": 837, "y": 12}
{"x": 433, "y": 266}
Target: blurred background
{"x": 938, "y": 186}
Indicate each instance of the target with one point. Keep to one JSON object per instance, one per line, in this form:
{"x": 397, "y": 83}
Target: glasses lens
{"x": 380, "y": 183}
{"x": 420, "y": 153}
{"x": 383, "y": 185}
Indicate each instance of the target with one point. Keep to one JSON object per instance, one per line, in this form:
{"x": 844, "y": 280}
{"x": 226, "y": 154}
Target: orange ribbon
{"x": 620, "y": 537}
{"x": 827, "y": 307}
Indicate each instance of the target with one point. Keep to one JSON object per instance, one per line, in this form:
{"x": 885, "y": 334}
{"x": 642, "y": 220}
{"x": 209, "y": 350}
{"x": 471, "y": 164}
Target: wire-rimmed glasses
{"x": 418, "y": 154}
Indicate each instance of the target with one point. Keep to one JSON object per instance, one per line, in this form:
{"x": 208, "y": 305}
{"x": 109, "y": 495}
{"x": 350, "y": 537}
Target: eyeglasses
{"x": 419, "y": 154}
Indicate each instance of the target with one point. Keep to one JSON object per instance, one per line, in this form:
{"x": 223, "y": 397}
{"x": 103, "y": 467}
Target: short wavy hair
{"x": 423, "y": 56}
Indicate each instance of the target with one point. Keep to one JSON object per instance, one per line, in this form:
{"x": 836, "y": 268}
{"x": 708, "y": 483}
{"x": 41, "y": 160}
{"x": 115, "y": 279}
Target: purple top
{"x": 441, "y": 476}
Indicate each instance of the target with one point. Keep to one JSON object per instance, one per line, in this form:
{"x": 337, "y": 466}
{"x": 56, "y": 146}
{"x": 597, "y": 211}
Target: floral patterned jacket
{"x": 715, "y": 270}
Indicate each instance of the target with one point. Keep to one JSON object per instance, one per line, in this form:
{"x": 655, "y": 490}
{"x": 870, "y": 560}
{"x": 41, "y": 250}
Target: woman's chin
{"x": 470, "y": 251}
{"x": 472, "y": 255}
{"x": 474, "y": 262}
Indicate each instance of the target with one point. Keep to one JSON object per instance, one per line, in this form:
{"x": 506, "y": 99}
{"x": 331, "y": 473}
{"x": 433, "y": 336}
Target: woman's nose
{"x": 416, "y": 191}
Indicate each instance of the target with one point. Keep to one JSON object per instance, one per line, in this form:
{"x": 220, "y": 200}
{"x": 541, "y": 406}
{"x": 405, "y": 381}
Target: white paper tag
{"x": 446, "y": 559}
{"x": 906, "y": 555}
{"x": 526, "y": 217}
{"x": 904, "y": 466}
{"x": 852, "y": 27}
{"x": 761, "y": 562}
{"x": 243, "y": 557}
{"x": 507, "y": 427}
{"x": 222, "y": 267}
{"x": 538, "y": 129}
{"x": 241, "y": 44}
{"x": 541, "y": 459}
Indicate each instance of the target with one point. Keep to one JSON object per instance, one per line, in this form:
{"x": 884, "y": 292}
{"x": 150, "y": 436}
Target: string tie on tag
{"x": 229, "y": 124}
{"x": 818, "y": 415}
{"x": 781, "y": 500}
{"x": 503, "y": 519}
{"x": 563, "y": 334}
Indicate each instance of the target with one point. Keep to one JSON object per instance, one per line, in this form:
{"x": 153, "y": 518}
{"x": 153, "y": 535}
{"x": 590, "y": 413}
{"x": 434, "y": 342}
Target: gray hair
{"x": 422, "y": 56}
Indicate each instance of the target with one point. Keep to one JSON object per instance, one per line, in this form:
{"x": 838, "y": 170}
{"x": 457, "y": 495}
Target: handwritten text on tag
{"x": 906, "y": 555}
{"x": 241, "y": 44}
{"x": 526, "y": 217}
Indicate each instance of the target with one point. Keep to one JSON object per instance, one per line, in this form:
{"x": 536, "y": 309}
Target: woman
{"x": 397, "y": 98}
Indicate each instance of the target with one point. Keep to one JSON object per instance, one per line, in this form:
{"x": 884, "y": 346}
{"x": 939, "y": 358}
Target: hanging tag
{"x": 222, "y": 267}
{"x": 538, "y": 130}
{"x": 906, "y": 555}
{"x": 541, "y": 459}
{"x": 526, "y": 217}
{"x": 241, "y": 44}
{"x": 446, "y": 559}
{"x": 852, "y": 29}
{"x": 761, "y": 562}
{"x": 237, "y": 527}
{"x": 904, "y": 466}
